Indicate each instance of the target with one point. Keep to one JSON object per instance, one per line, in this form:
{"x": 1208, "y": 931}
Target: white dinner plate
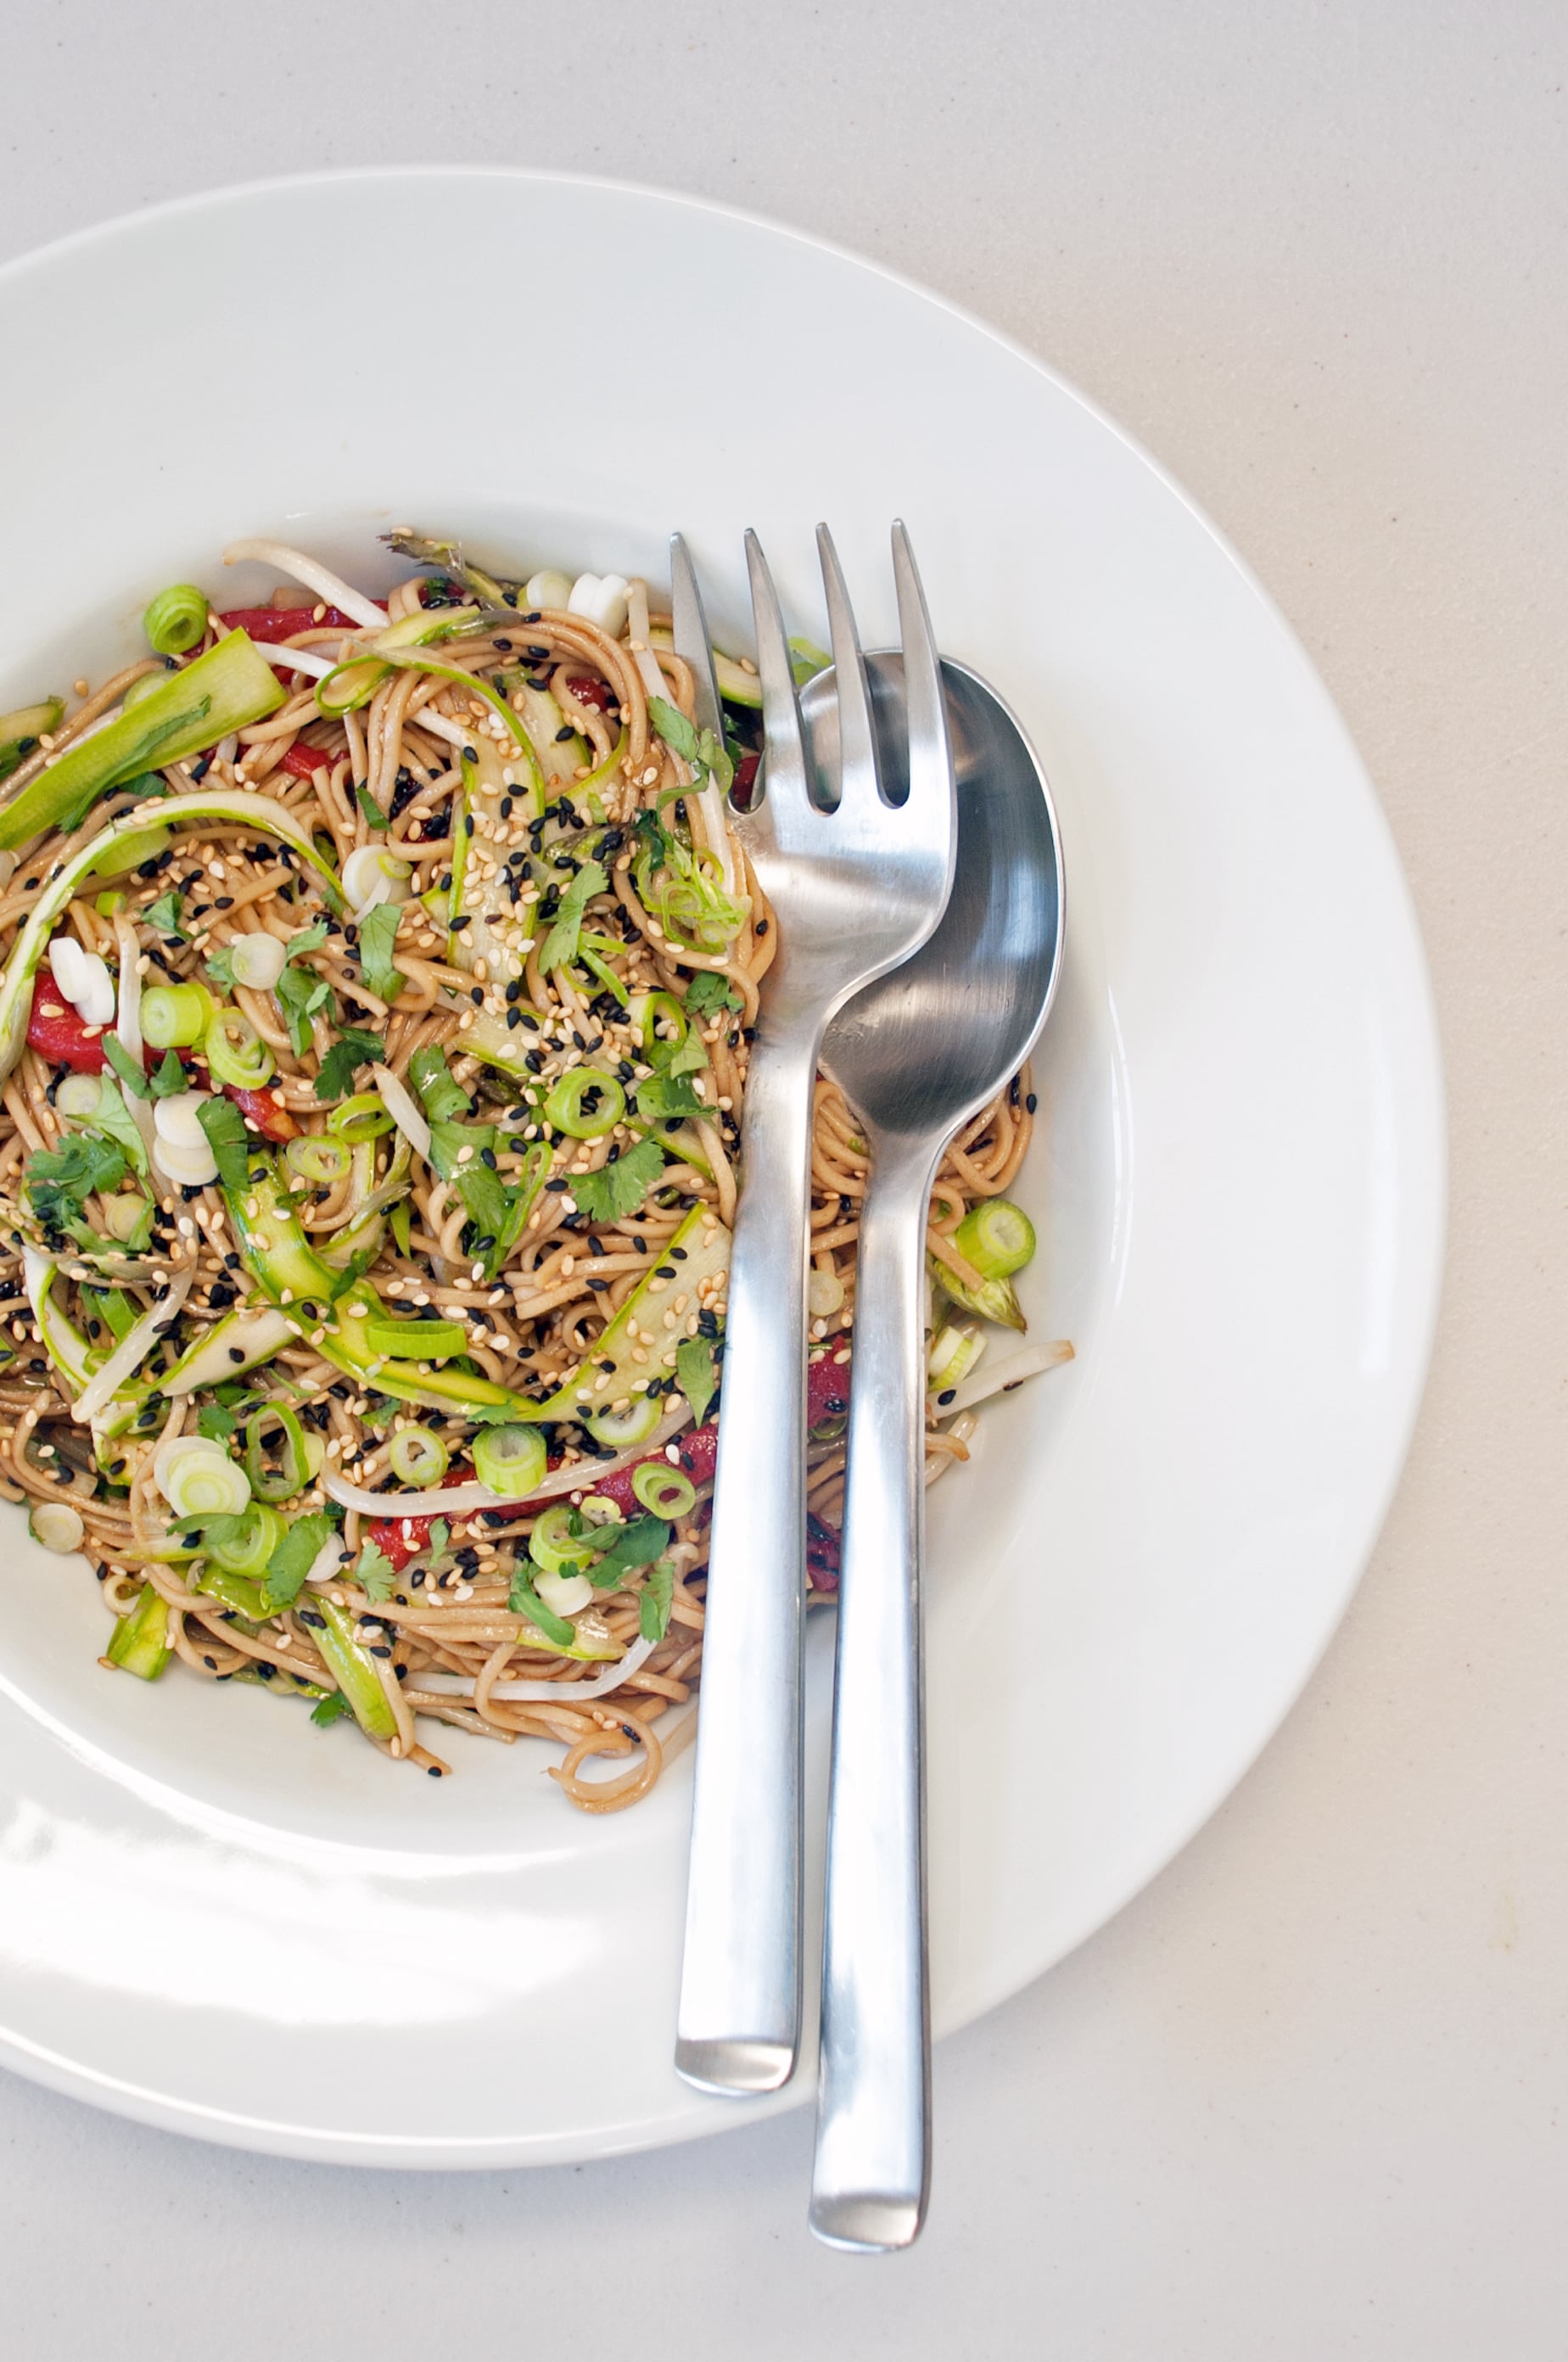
{"x": 220, "y": 1919}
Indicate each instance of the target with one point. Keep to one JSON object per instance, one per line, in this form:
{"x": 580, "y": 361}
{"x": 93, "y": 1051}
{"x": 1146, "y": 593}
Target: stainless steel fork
{"x": 856, "y": 883}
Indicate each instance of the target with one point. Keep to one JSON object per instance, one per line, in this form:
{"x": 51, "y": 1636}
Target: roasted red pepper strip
{"x": 60, "y": 1036}
{"x": 597, "y": 693}
{"x": 273, "y": 624}
{"x": 827, "y": 1385}
{"x": 303, "y": 762}
{"x": 265, "y": 1109}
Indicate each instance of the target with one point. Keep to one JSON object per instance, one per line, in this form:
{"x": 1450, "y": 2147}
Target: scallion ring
{"x": 561, "y": 1542}
{"x": 510, "y": 1460}
{"x": 415, "y": 1340}
{"x": 321, "y": 1162}
{"x": 362, "y": 1118}
{"x": 663, "y": 1491}
{"x": 248, "y": 1549}
{"x": 258, "y": 960}
{"x": 236, "y": 1053}
{"x": 277, "y": 1470}
{"x": 206, "y": 1484}
{"x": 174, "y": 1016}
{"x": 417, "y": 1457}
{"x": 176, "y": 619}
{"x": 997, "y": 1237}
{"x": 623, "y": 1429}
{"x": 585, "y": 1104}
{"x": 78, "y": 1096}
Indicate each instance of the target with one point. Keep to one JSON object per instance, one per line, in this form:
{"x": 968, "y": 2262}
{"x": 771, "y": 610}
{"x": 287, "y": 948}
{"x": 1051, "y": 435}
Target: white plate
{"x": 219, "y": 1919}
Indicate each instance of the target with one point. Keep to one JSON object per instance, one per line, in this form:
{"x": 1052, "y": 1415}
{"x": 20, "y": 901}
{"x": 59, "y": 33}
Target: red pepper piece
{"x": 597, "y": 693}
{"x": 266, "y": 1110}
{"x": 273, "y": 624}
{"x": 57, "y": 1034}
{"x": 746, "y": 779}
{"x": 827, "y": 1385}
{"x": 303, "y": 762}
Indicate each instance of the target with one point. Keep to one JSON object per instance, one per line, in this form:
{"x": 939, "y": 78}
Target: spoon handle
{"x": 738, "y": 2028}
{"x": 872, "y": 2166}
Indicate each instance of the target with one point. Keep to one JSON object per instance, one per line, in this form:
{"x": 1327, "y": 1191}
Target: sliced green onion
{"x": 258, "y": 960}
{"x": 57, "y": 1525}
{"x": 669, "y": 1492}
{"x": 174, "y": 1015}
{"x": 77, "y": 1097}
{"x": 176, "y": 619}
{"x": 415, "y": 1340}
{"x": 417, "y": 1457}
{"x": 564, "y": 1594}
{"x": 317, "y": 1159}
{"x": 664, "y": 1026}
{"x": 248, "y": 1547}
{"x": 510, "y": 1460}
{"x": 236, "y": 1053}
{"x": 205, "y": 1484}
{"x": 554, "y": 1548}
{"x": 141, "y": 1642}
{"x": 585, "y": 1103}
{"x": 954, "y": 1349}
{"x": 107, "y": 904}
{"x": 625, "y": 1427}
{"x": 291, "y": 1472}
{"x": 364, "y": 1117}
{"x": 997, "y": 1237}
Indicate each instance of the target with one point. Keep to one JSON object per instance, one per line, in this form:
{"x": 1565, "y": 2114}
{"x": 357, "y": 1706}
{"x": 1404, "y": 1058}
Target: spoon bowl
{"x": 916, "y": 1053}
{"x": 927, "y": 1045}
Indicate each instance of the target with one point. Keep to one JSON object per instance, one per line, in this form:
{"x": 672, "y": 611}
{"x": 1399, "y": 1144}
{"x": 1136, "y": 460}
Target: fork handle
{"x": 872, "y": 2165}
{"x": 739, "y": 2022}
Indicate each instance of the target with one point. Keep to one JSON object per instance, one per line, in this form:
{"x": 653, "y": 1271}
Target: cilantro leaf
{"x": 663, "y": 1099}
{"x": 293, "y": 1561}
{"x": 638, "y": 1543}
{"x": 691, "y": 1056}
{"x": 369, "y": 806}
{"x": 655, "y": 1603}
{"x": 500, "y": 1209}
{"x": 214, "y": 1422}
{"x": 220, "y": 968}
{"x": 523, "y": 1600}
{"x": 677, "y": 733}
{"x": 166, "y": 913}
{"x": 228, "y": 1139}
{"x": 348, "y": 1053}
{"x": 448, "y": 1141}
{"x": 374, "y": 1573}
{"x": 440, "y": 1535}
{"x": 307, "y": 938}
{"x": 329, "y": 1709}
{"x": 709, "y": 991}
{"x": 114, "y": 1119}
{"x": 60, "y": 1178}
{"x": 378, "y": 934}
{"x": 560, "y": 943}
{"x": 619, "y": 1188}
{"x": 432, "y": 1078}
{"x": 126, "y": 1067}
{"x": 301, "y": 994}
{"x": 696, "y": 1375}
{"x": 167, "y": 1077}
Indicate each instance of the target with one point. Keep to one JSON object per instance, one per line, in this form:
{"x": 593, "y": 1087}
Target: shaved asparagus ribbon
{"x": 716, "y": 817}
{"x": 131, "y": 1352}
{"x": 465, "y": 1500}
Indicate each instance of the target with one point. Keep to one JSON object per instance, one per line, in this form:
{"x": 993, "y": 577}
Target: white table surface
{"x": 1305, "y": 2097}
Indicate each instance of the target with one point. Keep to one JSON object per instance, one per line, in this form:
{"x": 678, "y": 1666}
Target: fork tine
{"x": 856, "y": 739}
{"x": 784, "y": 777}
{"x": 930, "y": 758}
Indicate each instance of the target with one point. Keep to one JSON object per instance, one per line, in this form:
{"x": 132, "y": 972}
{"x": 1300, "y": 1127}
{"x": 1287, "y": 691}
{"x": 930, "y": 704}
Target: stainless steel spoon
{"x": 916, "y": 1054}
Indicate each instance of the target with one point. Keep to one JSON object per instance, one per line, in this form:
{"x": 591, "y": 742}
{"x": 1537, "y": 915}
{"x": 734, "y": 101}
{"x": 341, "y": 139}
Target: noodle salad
{"x": 379, "y": 984}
